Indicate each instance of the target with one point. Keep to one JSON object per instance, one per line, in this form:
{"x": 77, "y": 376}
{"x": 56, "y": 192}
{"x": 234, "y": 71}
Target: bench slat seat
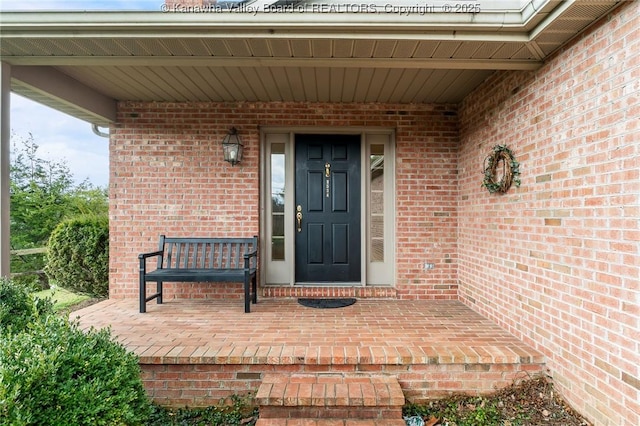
{"x": 210, "y": 260}
{"x": 196, "y": 275}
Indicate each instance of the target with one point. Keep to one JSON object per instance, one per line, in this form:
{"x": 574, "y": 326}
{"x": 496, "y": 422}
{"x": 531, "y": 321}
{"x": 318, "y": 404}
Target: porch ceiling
{"x": 82, "y": 62}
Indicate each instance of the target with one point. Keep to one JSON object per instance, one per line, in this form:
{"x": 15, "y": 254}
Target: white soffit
{"x": 396, "y": 56}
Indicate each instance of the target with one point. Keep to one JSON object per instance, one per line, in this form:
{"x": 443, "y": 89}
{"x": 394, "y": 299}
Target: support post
{"x": 5, "y": 164}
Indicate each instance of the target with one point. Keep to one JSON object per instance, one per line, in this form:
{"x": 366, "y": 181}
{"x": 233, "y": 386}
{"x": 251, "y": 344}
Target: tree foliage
{"x": 43, "y": 194}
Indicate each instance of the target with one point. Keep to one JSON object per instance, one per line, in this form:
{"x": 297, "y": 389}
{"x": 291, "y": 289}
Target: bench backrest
{"x": 206, "y": 253}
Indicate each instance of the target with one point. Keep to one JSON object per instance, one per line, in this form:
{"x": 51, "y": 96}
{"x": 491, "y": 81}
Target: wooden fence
{"x": 26, "y": 252}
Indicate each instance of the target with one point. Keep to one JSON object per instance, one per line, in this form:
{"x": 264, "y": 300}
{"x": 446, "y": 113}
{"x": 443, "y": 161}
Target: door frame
{"x": 286, "y": 136}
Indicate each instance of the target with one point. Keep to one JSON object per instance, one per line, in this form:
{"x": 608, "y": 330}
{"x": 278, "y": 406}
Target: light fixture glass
{"x": 232, "y": 147}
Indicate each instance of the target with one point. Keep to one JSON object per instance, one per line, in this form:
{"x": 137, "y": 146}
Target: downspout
{"x": 96, "y": 129}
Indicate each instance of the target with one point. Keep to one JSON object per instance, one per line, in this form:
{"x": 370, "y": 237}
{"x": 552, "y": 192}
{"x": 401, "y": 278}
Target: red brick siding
{"x": 198, "y": 385}
{"x": 556, "y": 261}
{"x": 167, "y": 176}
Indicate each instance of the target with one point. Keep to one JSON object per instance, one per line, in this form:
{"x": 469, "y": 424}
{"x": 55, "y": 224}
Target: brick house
{"x": 412, "y": 104}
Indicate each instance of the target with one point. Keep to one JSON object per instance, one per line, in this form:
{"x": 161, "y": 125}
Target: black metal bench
{"x": 201, "y": 260}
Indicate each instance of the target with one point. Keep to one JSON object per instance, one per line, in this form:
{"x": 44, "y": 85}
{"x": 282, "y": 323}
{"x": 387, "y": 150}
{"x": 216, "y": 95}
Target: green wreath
{"x": 510, "y": 170}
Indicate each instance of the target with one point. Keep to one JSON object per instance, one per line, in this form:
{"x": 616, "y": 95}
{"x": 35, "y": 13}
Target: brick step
{"x": 317, "y": 396}
{"x": 328, "y": 422}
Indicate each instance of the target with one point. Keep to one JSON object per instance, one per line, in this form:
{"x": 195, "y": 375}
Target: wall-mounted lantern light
{"x": 232, "y": 147}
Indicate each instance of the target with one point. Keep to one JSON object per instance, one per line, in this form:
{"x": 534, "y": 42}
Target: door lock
{"x": 299, "y": 217}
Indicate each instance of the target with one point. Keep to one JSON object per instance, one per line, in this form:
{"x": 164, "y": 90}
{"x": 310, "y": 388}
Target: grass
{"x": 62, "y": 299}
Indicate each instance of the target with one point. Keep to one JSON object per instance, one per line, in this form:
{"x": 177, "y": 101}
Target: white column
{"x": 5, "y": 135}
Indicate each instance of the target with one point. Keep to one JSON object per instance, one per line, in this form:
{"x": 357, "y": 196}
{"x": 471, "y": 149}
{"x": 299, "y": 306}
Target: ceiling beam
{"x": 56, "y": 85}
{"x": 199, "y": 61}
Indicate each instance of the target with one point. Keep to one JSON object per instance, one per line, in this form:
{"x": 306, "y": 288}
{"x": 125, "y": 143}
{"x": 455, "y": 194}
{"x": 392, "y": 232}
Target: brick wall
{"x": 167, "y": 176}
{"x": 202, "y": 385}
{"x": 556, "y": 261}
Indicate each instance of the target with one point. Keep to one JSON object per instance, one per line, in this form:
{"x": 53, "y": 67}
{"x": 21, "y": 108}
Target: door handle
{"x": 299, "y": 217}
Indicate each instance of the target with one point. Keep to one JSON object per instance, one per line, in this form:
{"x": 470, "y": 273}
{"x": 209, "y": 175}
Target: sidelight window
{"x": 380, "y": 216}
{"x": 376, "y": 209}
{"x": 277, "y": 201}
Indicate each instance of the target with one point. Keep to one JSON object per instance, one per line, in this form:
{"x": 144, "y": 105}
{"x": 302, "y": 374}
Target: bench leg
{"x": 143, "y": 296}
{"x": 159, "y": 291}
{"x": 247, "y": 307}
{"x": 255, "y": 289}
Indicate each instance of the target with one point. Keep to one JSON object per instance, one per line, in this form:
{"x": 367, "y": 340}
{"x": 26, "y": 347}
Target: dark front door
{"x": 327, "y": 208}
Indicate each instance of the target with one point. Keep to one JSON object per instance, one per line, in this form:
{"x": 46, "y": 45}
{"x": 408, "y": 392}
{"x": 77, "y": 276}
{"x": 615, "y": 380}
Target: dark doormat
{"x": 327, "y": 303}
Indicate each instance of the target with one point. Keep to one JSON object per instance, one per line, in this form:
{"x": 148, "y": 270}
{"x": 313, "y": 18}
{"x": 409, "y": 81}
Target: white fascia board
{"x": 158, "y": 24}
{"x": 551, "y": 17}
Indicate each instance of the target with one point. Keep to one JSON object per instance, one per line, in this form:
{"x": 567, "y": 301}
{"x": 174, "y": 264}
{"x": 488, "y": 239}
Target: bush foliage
{"x": 18, "y": 308}
{"x": 78, "y": 255}
{"x": 54, "y": 373}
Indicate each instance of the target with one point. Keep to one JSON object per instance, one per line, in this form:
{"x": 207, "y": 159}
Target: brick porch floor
{"x": 195, "y": 352}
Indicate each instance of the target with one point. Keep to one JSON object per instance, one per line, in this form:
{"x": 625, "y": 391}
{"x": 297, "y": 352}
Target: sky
{"x": 154, "y": 5}
{"x": 80, "y": 4}
{"x": 63, "y": 138}
{"x": 59, "y": 136}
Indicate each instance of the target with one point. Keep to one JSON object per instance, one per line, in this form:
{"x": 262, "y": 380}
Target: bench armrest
{"x": 151, "y": 254}
{"x": 247, "y": 259}
{"x": 143, "y": 260}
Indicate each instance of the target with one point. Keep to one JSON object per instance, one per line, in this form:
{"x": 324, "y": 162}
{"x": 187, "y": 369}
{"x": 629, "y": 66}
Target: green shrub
{"x": 78, "y": 255}
{"x": 56, "y": 374}
{"x": 19, "y": 308}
